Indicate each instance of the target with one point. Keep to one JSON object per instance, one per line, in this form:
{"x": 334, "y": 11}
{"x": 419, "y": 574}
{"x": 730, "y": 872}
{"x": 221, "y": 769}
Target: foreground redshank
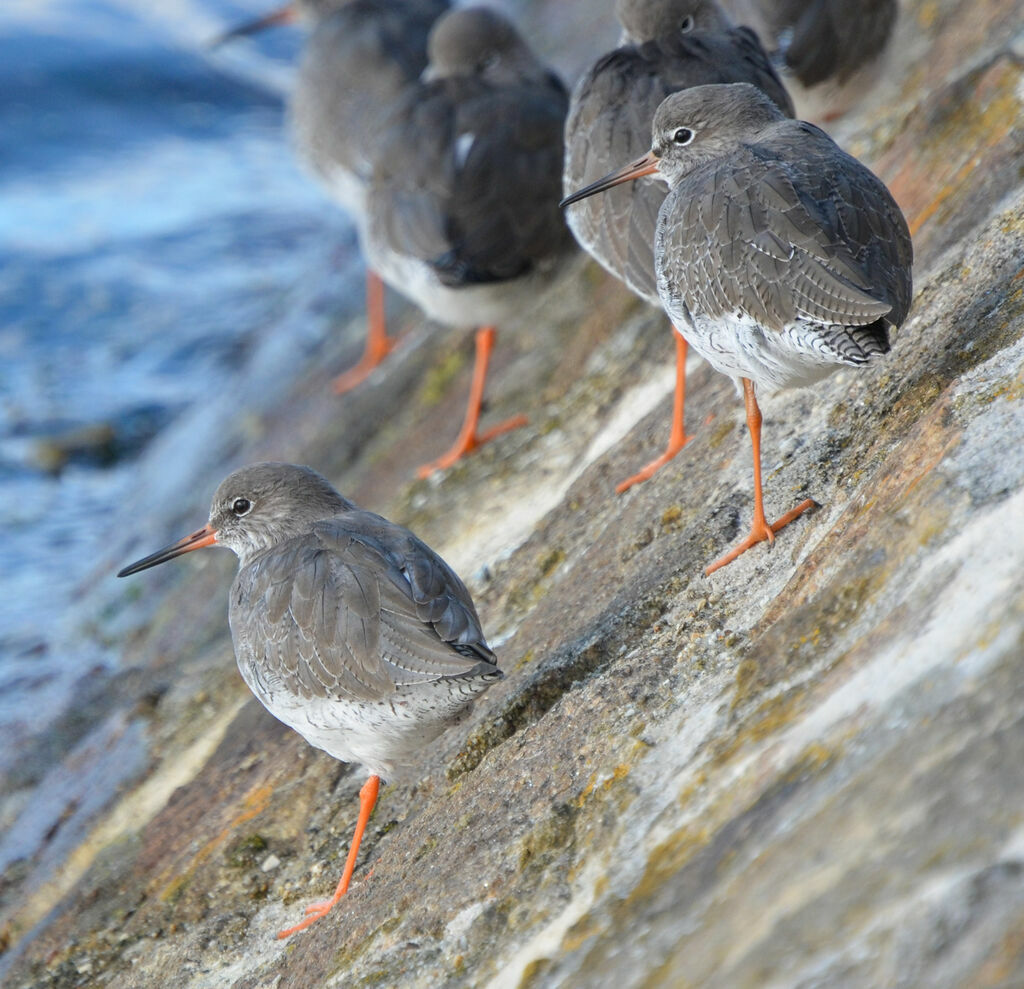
{"x": 831, "y": 51}
{"x": 463, "y": 203}
{"x": 669, "y": 45}
{"x": 360, "y": 57}
{"x": 779, "y": 255}
{"x": 347, "y": 627}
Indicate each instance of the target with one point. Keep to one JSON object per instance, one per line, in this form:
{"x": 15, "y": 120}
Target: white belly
{"x": 469, "y": 305}
{"x": 739, "y": 347}
{"x": 380, "y": 735}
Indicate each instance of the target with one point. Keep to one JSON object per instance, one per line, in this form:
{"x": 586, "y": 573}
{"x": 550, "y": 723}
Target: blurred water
{"x": 158, "y": 247}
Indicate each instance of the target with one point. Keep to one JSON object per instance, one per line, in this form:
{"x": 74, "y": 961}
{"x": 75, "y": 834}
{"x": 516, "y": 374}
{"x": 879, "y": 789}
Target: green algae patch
{"x": 726, "y": 424}
{"x": 552, "y": 837}
{"x": 748, "y": 679}
{"x": 663, "y": 863}
{"x": 345, "y": 959}
{"x": 545, "y": 689}
{"x": 175, "y": 889}
{"x": 441, "y": 376}
{"x": 549, "y": 562}
{"x": 1010, "y": 389}
{"x": 596, "y": 786}
{"x": 477, "y": 745}
{"x": 246, "y": 852}
{"x": 528, "y": 591}
{"x": 769, "y": 718}
{"x": 534, "y": 973}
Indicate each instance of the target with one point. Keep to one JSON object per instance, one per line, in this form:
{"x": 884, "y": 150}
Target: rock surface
{"x": 805, "y": 771}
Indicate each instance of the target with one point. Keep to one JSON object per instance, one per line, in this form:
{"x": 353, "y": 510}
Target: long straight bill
{"x": 283, "y": 15}
{"x": 643, "y": 166}
{"x": 206, "y": 536}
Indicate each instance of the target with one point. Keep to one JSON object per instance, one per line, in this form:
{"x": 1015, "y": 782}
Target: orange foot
{"x": 654, "y": 466}
{"x": 313, "y": 913}
{"x": 467, "y": 443}
{"x": 374, "y": 354}
{"x": 760, "y": 531}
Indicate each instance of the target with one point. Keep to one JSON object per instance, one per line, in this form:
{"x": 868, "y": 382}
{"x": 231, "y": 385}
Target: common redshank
{"x": 346, "y": 627}
{"x": 463, "y": 203}
{"x": 668, "y": 45}
{"x": 831, "y": 51}
{"x": 361, "y": 55}
{"x": 779, "y": 255}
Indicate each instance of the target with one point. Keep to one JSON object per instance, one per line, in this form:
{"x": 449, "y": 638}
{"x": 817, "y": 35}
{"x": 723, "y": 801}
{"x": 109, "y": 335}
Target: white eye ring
{"x": 686, "y": 24}
{"x": 241, "y": 506}
{"x": 683, "y": 136}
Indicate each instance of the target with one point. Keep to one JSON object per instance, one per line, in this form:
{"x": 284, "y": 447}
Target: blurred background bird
{"x": 463, "y": 213}
{"x": 831, "y": 52}
{"x": 360, "y": 57}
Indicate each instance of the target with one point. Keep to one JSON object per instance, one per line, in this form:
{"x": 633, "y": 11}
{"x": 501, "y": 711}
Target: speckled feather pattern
{"x": 786, "y": 255}
{"x": 609, "y": 124}
{"x": 360, "y": 637}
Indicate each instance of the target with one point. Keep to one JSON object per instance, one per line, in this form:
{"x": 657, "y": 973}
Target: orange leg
{"x": 378, "y": 343}
{"x": 678, "y": 438}
{"x": 367, "y": 798}
{"x": 469, "y": 439}
{"x": 760, "y": 530}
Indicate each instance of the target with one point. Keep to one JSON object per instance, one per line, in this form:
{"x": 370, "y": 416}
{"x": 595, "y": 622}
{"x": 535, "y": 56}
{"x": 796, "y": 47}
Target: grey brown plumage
{"x": 467, "y": 178}
{"x": 345, "y": 626}
{"x": 474, "y": 194}
{"x": 771, "y": 228}
{"x": 356, "y": 610}
{"x": 778, "y": 255}
{"x": 360, "y": 57}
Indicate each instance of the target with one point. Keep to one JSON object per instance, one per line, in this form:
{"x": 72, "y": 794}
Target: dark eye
{"x": 686, "y": 24}
{"x": 241, "y": 506}
{"x": 683, "y": 136}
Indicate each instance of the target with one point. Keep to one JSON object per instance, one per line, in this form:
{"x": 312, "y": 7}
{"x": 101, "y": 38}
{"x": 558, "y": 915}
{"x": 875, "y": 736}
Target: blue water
{"x": 161, "y": 254}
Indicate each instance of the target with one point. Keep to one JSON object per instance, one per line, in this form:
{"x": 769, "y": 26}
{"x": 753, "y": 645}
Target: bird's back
{"x": 792, "y": 236}
{"x": 468, "y": 178}
{"x": 360, "y": 637}
{"x": 357, "y": 62}
{"x": 831, "y": 51}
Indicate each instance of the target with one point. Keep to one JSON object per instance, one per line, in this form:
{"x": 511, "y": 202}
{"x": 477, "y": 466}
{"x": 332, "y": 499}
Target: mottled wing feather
{"x": 417, "y": 585}
{"x": 353, "y": 611}
{"x": 469, "y": 178}
{"x": 609, "y": 125}
{"x": 790, "y": 228}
